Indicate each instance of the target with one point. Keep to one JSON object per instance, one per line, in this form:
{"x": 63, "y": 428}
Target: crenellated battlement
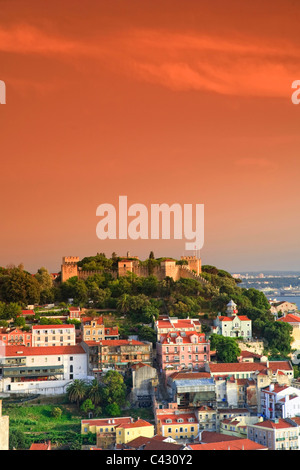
{"x": 70, "y": 259}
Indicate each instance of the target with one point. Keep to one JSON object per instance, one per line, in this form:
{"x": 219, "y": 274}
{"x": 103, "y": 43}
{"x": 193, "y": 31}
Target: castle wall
{"x": 167, "y": 268}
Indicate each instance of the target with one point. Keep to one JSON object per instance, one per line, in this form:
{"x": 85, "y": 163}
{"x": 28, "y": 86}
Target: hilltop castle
{"x": 166, "y": 268}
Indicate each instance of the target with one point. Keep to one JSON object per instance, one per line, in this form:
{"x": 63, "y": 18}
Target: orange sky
{"x": 170, "y": 101}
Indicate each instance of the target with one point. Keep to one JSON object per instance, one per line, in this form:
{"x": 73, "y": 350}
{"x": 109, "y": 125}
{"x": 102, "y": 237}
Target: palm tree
{"x": 94, "y": 392}
{"x": 123, "y": 303}
{"x": 77, "y": 391}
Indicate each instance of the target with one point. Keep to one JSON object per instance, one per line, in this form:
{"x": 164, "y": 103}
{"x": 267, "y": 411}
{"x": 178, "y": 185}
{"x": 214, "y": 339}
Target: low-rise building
{"x": 231, "y": 383}
{"x": 15, "y": 336}
{"x": 113, "y": 431}
{"x": 233, "y": 325}
{"x": 166, "y": 324}
{"x": 177, "y": 424}
{"x": 191, "y": 389}
{"x": 144, "y": 381}
{"x": 280, "y": 401}
{"x": 179, "y": 350}
{"x": 277, "y": 434}
{"x": 53, "y": 335}
{"x": 294, "y": 321}
{"x": 237, "y": 426}
{"x": 283, "y": 307}
{"x": 126, "y": 432}
{"x": 117, "y": 354}
{"x": 93, "y": 329}
{"x": 42, "y": 370}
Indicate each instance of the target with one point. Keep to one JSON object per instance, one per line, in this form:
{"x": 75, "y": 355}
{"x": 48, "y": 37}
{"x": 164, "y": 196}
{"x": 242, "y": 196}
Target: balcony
{"x": 17, "y": 372}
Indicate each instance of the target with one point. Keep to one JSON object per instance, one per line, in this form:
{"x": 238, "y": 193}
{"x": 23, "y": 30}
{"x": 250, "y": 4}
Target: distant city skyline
{"x": 175, "y": 103}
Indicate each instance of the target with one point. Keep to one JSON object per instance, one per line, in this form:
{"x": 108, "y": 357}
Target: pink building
{"x": 179, "y": 350}
{"x": 15, "y": 336}
{"x": 167, "y": 324}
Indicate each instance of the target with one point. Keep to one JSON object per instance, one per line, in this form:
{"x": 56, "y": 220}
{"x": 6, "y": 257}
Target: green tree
{"x": 87, "y": 406}
{"x": 44, "y": 279}
{"x": 226, "y": 348}
{"x": 19, "y": 286}
{"x": 17, "y": 439}
{"x": 279, "y": 337}
{"x": 113, "y": 409}
{"x": 76, "y": 391}
{"x": 114, "y": 389}
{"x": 56, "y": 412}
{"x": 94, "y": 392}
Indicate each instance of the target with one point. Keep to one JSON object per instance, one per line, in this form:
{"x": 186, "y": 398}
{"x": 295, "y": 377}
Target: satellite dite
{"x": 2, "y": 92}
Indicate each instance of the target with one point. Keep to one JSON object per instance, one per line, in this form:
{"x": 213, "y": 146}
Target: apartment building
{"x": 166, "y": 324}
{"x": 15, "y": 336}
{"x": 53, "y": 335}
{"x": 277, "y": 434}
{"x": 177, "y": 424}
{"x": 280, "y": 401}
{"x": 179, "y": 350}
{"x": 117, "y": 354}
{"x": 112, "y": 431}
{"x": 42, "y": 370}
{"x": 93, "y": 329}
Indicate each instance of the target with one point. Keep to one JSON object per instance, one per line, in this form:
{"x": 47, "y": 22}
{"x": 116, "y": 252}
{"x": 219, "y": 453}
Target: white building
{"x": 280, "y": 402}
{"x": 233, "y": 325}
{"x": 41, "y": 370}
{"x": 53, "y": 335}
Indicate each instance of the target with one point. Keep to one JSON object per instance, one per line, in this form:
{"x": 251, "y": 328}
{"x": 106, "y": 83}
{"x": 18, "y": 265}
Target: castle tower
{"x": 194, "y": 263}
{"x": 231, "y": 309}
{"x": 69, "y": 267}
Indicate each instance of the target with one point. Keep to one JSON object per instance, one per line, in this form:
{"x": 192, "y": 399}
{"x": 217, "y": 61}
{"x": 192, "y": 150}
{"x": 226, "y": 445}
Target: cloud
{"x": 240, "y": 66}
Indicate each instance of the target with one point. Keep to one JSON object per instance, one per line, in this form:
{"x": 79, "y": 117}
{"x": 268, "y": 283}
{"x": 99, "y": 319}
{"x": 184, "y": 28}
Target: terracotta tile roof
{"x": 12, "y": 351}
{"x": 40, "y": 446}
{"x": 208, "y": 437}
{"x": 28, "y": 312}
{"x": 107, "y": 421}
{"x": 290, "y": 318}
{"x": 241, "y": 317}
{"x": 189, "y": 375}
{"x": 277, "y": 424}
{"x": 161, "y": 445}
{"x": 174, "y": 417}
{"x": 170, "y": 337}
{"x": 98, "y": 320}
{"x": 239, "y": 444}
{"x": 249, "y": 366}
{"x": 115, "y": 342}
{"x": 140, "y": 423}
{"x": 53, "y": 327}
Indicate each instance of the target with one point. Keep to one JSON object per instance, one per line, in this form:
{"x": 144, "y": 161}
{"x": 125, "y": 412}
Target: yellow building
{"x": 177, "y": 425}
{"x": 127, "y": 432}
{"x": 111, "y": 431}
